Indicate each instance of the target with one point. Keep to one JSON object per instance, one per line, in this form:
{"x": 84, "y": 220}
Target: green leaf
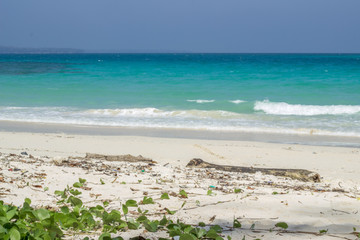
{"x": 76, "y": 202}
{"x": 65, "y": 209}
{"x": 282, "y": 225}
{"x": 2, "y": 229}
{"x": 105, "y": 236}
{"x": 151, "y": 226}
{"x": 10, "y": 214}
{"x": 60, "y": 193}
{"x": 133, "y": 225}
{"x": 275, "y": 193}
{"x": 187, "y": 236}
{"x": 199, "y": 232}
{"x": 74, "y": 192}
{"x": 183, "y": 194}
{"x": 170, "y": 212}
{"x": 81, "y": 180}
{"x": 77, "y": 185}
{"x": 237, "y": 190}
{"x": 188, "y": 229}
{"x": 42, "y": 214}
{"x": 323, "y": 231}
{"x": 142, "y": 219}
{"x": 139, "y": 210}
{"x": 163, "y": 221}
{"x": 236, "y": 224}
{"x": 106, "y": 203}
{"x": 14, "y": 234}
{"x": 165, "y": 196}
{"x": 217, "y": 228}
{"x": 28, "y": 201}
{"x": 125, "y": 209}
{"x": 201, "y": 224}
{"x": 147, "y": 200}
{"x": 113, "y": 216}
{"x": 212, "y": 234}
{"x": 209, "y": 192}
{"x": 176, "y": 232}
{"x": 102, "y": 182}
{"x": 131, "y": 203}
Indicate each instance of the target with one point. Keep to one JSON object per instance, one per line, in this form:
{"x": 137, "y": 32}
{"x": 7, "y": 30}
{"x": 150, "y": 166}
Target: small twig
{"x": 340, "y": 211}
{"x": 219, "y": 202}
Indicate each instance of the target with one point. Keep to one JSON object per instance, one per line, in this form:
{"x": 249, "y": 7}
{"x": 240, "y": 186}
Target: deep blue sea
{"x": 280, "y": 93}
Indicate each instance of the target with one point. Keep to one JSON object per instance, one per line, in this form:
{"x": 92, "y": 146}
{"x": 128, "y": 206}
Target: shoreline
{"x": 281, "y": 138}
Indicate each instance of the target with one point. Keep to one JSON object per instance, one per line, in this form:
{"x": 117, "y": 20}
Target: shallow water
{"x": 274, "y": 93}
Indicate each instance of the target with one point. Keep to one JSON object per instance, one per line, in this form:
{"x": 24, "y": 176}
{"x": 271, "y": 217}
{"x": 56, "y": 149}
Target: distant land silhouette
{"x": 29, "y": 50}
{"x": 20, "y": 50}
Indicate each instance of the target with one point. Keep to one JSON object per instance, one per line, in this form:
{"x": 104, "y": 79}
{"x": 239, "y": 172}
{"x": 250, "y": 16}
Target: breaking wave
{"x": 154, "y": 112}
{"x": 282, "y": 108}
{"x": 201, "y": 101}
{"x": 237, "y": 101}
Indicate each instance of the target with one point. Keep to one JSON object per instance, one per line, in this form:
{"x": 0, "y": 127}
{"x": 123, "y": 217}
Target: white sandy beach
{"x": 307, "y": 208}
{"x": 179, "y": 120}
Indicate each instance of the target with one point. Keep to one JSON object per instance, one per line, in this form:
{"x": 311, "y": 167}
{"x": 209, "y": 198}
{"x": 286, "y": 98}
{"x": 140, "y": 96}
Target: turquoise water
{"x": 290, "y": 93}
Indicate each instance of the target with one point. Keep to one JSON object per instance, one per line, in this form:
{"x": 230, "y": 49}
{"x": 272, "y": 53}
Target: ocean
{"x": 310, "y": 94}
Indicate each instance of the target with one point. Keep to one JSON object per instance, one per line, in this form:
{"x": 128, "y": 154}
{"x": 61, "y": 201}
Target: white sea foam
{"x": 135, "y": 112}
{"x": 13, "y": 108}
{"x": 201, "y": 101}
{"x": 282, "y": 108}
{"x": 339, "y": 125}
{"x": 237, "y": 101}
{"x": 156, "y": 113}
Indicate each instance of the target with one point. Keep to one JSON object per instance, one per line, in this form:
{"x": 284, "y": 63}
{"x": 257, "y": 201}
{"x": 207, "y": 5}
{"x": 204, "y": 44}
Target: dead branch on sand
{"x": 298, "y": 174}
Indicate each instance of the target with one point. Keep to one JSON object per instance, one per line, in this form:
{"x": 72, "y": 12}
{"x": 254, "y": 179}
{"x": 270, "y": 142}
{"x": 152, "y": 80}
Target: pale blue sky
{"x": 183, "y": 25}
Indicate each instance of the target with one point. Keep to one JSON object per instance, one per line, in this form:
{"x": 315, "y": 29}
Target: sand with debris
{"x": 52, "y": 162}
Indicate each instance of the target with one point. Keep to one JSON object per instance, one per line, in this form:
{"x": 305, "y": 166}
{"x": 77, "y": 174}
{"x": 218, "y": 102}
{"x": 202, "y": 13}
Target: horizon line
{"x": 71, "y": 50}
{"x": 170, "y": 52}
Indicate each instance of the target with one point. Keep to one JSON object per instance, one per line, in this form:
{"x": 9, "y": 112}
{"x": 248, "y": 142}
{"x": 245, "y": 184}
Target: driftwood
{"x": 298, "y": 174}
{"x": 119, "y": 158}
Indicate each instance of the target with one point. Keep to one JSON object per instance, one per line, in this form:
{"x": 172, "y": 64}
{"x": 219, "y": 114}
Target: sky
{"x": 256, "y": 26}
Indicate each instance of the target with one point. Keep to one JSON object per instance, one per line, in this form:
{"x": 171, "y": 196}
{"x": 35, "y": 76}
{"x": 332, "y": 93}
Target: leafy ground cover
{"x": 29, "y": 223}
{"x": 147, "y": 201}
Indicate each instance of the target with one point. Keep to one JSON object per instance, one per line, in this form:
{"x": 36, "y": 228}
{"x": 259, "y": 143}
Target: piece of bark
{"x": 298, "y": 174}
{"x": 119, "y": 158}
